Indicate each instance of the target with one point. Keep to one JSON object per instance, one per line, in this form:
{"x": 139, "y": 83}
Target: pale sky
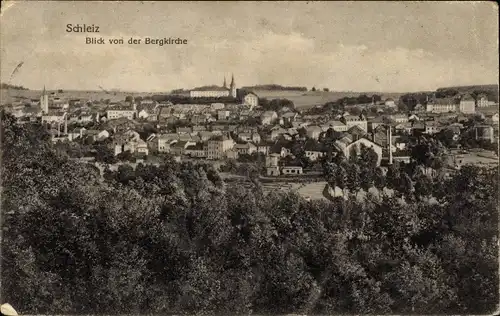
{"x": 345, "y": 46}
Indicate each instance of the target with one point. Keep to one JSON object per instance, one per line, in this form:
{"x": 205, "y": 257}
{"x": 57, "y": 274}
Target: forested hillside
{"x": 490, "y": 91}
{"x": 176, "y": 239}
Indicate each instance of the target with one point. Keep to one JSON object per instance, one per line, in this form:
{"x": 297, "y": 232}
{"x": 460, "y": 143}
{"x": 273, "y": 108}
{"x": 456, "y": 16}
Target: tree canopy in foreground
{"x": 176, "y": 239}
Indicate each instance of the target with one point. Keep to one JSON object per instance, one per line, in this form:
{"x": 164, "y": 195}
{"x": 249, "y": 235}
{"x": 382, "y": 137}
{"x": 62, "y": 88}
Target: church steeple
{"x": 232, "y": 80}
{"x": 232, "y": 87}
{"x": 225, "y": 84}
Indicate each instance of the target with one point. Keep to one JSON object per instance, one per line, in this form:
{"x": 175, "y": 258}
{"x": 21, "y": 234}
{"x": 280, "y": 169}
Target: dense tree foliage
{"x": 275, "y": 104}
{"x": 4, "y": 85}
{"x": 410, "y": 100}
{"x": 175, "y": 238}
{"x": 274, "y": 87}
{"x": 186, "y": 99}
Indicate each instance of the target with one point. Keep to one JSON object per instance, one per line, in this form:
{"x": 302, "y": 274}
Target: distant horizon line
{"x": 319, "y": 90}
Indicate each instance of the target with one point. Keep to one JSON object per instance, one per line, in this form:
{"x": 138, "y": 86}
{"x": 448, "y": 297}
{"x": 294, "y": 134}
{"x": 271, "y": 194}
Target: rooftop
{"x": 210, "y": 88}
{"x": 444, "y": 101}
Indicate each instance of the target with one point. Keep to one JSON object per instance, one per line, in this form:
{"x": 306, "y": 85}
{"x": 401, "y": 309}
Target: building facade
{"x": 442, "y": 105}
{"x": 117, "y": 112}
{"x": 354, "y": 120}
{"x": 251, "y": 99}
{"x": 467, "y": 105}
{"x": 217, "y": 147}
{"x": 482, "y": 102}
{"x": 215, "y": 91}
{"x": 348, "y": 148}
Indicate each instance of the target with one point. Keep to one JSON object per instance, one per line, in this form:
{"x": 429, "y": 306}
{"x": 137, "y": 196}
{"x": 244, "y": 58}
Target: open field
{"x": 12, "y": 95}
{"x": 309, "y": 99}
{"x": 480, "y": 158}
{"x": 313, "y": 190}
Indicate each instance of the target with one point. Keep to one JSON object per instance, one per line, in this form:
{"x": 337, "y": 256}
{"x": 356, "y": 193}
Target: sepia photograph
{"x": 249, "y": 158}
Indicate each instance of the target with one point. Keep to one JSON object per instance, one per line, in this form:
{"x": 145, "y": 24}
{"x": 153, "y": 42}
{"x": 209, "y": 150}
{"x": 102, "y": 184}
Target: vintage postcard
{"x": 237, "y": 158}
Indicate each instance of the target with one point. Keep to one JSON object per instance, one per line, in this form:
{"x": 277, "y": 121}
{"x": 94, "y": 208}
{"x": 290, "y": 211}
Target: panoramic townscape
{"x": 246, "y": 136}
{"x": 227, "y": 196}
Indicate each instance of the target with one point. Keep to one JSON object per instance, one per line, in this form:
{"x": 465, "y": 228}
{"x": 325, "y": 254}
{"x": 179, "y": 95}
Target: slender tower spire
{"x": 232, "y": 87}
{"x": 225, "y": 84}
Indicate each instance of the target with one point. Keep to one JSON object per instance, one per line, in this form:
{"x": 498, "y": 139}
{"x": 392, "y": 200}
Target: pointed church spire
{"x": 232, "y": 87}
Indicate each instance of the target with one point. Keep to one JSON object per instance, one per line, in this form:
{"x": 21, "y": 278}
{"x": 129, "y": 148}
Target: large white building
{"x": 467, "y": 105}
{"x": 355, "y": 120}
{"x": 464, "y": 104}
{"x": 482, "y": 102}
{"x": 116, "y": 112}
{"x": 218, "y": 146}
{"x": 215, "y": 91}
{"x": 442, "y": 105}
{"x": 251, "y": 99}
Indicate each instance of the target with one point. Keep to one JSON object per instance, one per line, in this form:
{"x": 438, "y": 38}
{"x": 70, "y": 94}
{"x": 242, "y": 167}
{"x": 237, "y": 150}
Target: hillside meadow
{"x": 309, "y": 99}
{"x": 12, "y": 95}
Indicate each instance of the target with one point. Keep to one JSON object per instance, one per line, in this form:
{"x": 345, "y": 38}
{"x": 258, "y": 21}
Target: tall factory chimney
{"x": 390, "y": 145}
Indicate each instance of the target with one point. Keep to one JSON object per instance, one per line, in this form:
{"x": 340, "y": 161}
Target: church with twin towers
{"x": 215, "y": 91}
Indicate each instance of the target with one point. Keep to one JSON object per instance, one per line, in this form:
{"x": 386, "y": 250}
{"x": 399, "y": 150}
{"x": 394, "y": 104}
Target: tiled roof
{"x": 353, "y": 118}
{"x": 313, "y": 128}
{"x": 312, "y": 146}
{"x": 55, "y": 113}
{"x": 289, "y": 114}
{"x": 180, "y": 144}
{"x": 444, "y": 101}
{"x": 269, "y": 113}
{"x": 210, "y": 88}
{"x": 149, "y": 108}
{"x": 345, "y": 140}
{"x": 198, "y": 146}
{"x": 467, "y": 97}
{"x": 356, "y": 130}
{"x": 121, "y": 108}
{"x": 244, "y": 146}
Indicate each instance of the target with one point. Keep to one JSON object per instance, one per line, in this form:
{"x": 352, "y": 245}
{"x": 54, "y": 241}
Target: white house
{"x": 122, "y": 111}
{"x": 348, "y": 147}
{"x": 313, "y": 131}
{"x": 467, "y": 104}
{"x": 223, "y": 115}
{"x": 482, "y": 102}
{"x": 245, "y": 149}
{"x": 313, "y": 154}
{"x": 399, "y": 118}
{"x": 432, "y": 127}
{"x": 390, "y": 102}
{"x": 289, "y": 170}
{"x": 268, "y": 117}
{"x": 251, "y": 99}
{"x": 494, "y": 118}
{"x": 336, "y": 125}
{"x": 354, "y": 120}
